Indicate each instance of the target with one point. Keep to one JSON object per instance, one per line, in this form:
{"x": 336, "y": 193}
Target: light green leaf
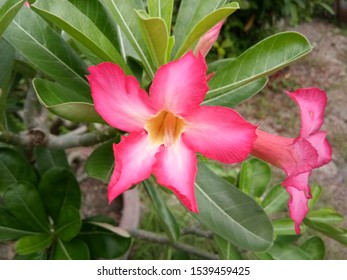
{"x": 123, "y": 12}
{"x": 44, "y": 48}
{"x": 156, "y": 37}
{"x": 72, "y": 250}
{"x": 316, "y": 191}
{"x": 34, "y": 243}
{"x": 227, "y": 251}
{"x": 286, "y": 226}
{"x": 100, "y": 163}
{"x": 283, "y": 251}
{"x": 326, "y": 215}
{"x": 190, "y": 13}
{"x": 8, "y": 10}
{"x": 65, "y": 102}
{"x": 275, "y": 200}
{"x": 167, "y": 218}
{"x": 162, "y": 9}
{"x": 314, "y": 246}
{"x": 205, "y": 25}
{"x": 262, "y": 59}
{"x": 230, "y": 213}
{"x": 72, "y": 20}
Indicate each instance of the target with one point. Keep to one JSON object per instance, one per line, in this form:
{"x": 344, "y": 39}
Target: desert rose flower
{"x": 167, "y": 127}
{"x": 298, "y": 156}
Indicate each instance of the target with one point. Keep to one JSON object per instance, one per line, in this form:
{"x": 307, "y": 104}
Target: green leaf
{"x": 156, "y": 37}
{"x": 7, "y": 61}
{"x": 205, "y": 25}
{"x": 123, "y": 12}
{"x": 24, "y": 202}
{"x": 255, "y": 176}
{"x": 44, "y": 48}
{"x": 227, "y": 251}
{"x": 34, "y": 243}
{"x": 167, "y": 218}
{"x": 238, "y": 95}
{"x": 11, "y": 228}
{"x": 72, "y": 250}
{"x": 275, "y": 200}
{"x": 283, "y": 251}
{"x": 103, "y": 242}
{"x": 190, "y": 13}
{"x": 161, "y": 9}
{"x": 68, "y": 223}
{"x": 8, "y": 10}
{"x": 326, "y": 215}
{"x": 314, "y": 246}
{"x": 230, "y": 213}
{"x": 81, "y": 27}
{"x": 48, "y": 158}
{"x": 65, "y": 102}
{"x": 262, "y": 59}
{"x": 286, "y": 226}
{"x": 40, "y": 255}
{"x": 100, "y": 163}
{"x": 59, "y": 189}
{"x": 316, "y": 191}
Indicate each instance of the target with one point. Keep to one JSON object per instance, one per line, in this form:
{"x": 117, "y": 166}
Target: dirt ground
{"x": 325, "y": 67}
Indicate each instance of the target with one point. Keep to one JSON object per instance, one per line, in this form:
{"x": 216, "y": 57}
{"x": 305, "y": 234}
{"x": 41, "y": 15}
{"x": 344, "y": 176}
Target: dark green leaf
{"x": 230, "y": 213}
{"x": 314, "y": 246}
{"x": 8, "y": 10}
{"x": 24, "y": 202}
{"x": 275, "y": 200}
{"x": 13, "y": 168}
{"x": 283, "y": 251}
{"x": 34, "y": 243}
{"x": 59, "y": 188}
{"x": 72, "y": 250}
{"x": 49, "y": 158}
{"x": 68, "y": 223}
{"x": 100, "y": 163}
{"x": 41, "y": 255}
{"x": 167, "y": 218}
{"x": 227, "y": 250}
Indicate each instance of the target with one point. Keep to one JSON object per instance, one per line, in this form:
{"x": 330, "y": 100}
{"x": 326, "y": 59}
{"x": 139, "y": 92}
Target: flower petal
{"x": 322, "y": 146}
{"x": 207, "y": 40}
{"x": 134, "y": 157}
{"x": 118, "y": 98}
{"x": 300, "y": 182}
{"x": 176, "y": 169}
{"x": 179, "y": 86}
{"x": 219, "y": 133}
{"x": 312, "y": 102}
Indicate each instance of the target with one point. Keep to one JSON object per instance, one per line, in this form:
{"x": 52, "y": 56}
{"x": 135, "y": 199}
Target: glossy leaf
{"x": 44, "y": 48}
{"x": 255, "y": 176}
{"x": 262, "y": 59}
{"x": 123, "y": 12}
{"x": 72, "y": 250}
{"x": 190, "y": 13}
{"x": 326, "y": 215}
{"x": 8, "y": 10}
{"x": 65, "y": 102}
{"x": 166, "y": 217}
{"x": 283, "y": 251}
{"x": 286, "y": 226}
{"x": 230, "y": 213}
{"x": 34, "y": 243}
{"x": 13, "y": 168}
{"x": 49, "y": 158}
{"x": 24, "y": 202}
{"x": 205, "y": 25}
{"x": 275, "y": 200}
{"x": 156, "y": 37}
{"x": 68, "y": 223}
{"x": 314, "y": 246}
{"x": 237, "y": 95}
{"x": 81, "y": 27}
{"x": 227, "y": 251}
{"x": 103, "y": 243}
{"x": 59, "y": 189}
{"x": 161, "y": 9}
{"x": 100, "y": 163}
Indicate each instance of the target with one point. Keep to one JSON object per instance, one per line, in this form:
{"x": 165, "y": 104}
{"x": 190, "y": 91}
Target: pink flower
{"x": 167, "y": 127}
{"x": 208, "y": 39}
{"x": 27, "y": 4}
{"x": 298, "y": 156}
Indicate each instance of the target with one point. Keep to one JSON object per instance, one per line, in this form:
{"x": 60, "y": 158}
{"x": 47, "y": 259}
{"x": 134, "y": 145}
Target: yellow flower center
{"x": 165, "y": 128}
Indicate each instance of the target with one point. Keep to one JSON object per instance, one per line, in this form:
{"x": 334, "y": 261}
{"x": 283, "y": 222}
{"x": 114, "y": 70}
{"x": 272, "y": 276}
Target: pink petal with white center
{"x": 219, "y": 133}
{"x": 207, "y": 40}
{"x": 118, "y": 98}
{"x": 134, "y": 158}
{"x": 312, "y": 102}
{"x": 179, "y": 86}
{"x": 322, "y": 146}
{"x": 176, "y": 169}
{"x": 298, "y": 207}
